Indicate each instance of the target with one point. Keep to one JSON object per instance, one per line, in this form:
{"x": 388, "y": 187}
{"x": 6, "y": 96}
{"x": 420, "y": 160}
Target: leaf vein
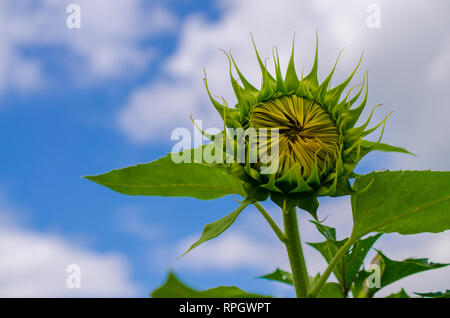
{"x": 408, "y": 213}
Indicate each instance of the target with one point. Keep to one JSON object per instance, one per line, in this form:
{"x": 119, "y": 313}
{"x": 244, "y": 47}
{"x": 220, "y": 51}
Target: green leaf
{"x": 401, "y": 294}
{"x": 314, "y": 279}
{"x": 216, "y": 228}
{"x": 383, "y": 147}
{"x": 174, "y": 288}
{"x": 359, "y": 288}
{"x": 445, "y": 294}
{"x": 395, "y": 270}
{"x": 348, "y": 266}
{"x": 228, "y": 292}
{"x": 310, "y": 205}
{"x": 282, "y": 276}
{"x": 279, "y": 275}
{"x": 328, "y": 232}
{"x": 392, "y": 271}
{"x": 354, "y": 259}
{"x": 331, "y": 290}
{"x": 406, "y": 202}
{"x": 163, "y": 177}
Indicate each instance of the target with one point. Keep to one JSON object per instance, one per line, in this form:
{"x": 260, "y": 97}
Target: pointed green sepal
{"x": 310, "y": 205}
{"x": 310, "y": 81}
{"x": 291, "y": 79}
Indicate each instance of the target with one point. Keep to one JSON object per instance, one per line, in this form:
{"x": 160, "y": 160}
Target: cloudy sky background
{"x": 83, "y": 101}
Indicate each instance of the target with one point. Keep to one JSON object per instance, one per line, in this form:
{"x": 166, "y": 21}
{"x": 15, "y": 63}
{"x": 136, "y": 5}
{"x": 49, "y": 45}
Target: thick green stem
{"x": 295, "y": 252}
{"x": 323, "y": 278}
{"x": 271, "y": 222}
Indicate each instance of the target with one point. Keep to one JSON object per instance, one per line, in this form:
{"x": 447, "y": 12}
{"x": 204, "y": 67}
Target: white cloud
{"x": 142, "y": 119}
{"x": 440, "y": 65}
{"x": 34, "y": 264}
{"x": 107, "y": 45}
{"x": 129, "y": 220}
{"x": 235, "y": 250}
{"x": 249, "y": 244}
{"x": 407, "y": 55}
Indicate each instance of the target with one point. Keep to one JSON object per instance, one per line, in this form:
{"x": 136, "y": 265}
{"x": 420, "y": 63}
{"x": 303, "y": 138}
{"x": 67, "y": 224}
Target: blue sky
{"x": 77, "y": 102}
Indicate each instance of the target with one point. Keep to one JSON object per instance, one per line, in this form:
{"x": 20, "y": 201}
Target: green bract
{"x": 319, "y": 142}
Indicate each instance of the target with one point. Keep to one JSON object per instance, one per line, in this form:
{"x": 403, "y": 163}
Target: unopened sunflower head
{"x": 318, "y": 143}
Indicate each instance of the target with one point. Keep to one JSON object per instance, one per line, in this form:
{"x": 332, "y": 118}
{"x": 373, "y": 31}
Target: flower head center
{"x": 308, "y": 137}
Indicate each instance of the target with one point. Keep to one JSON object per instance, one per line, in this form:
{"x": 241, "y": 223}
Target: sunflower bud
{"x": 318, "y": 143}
